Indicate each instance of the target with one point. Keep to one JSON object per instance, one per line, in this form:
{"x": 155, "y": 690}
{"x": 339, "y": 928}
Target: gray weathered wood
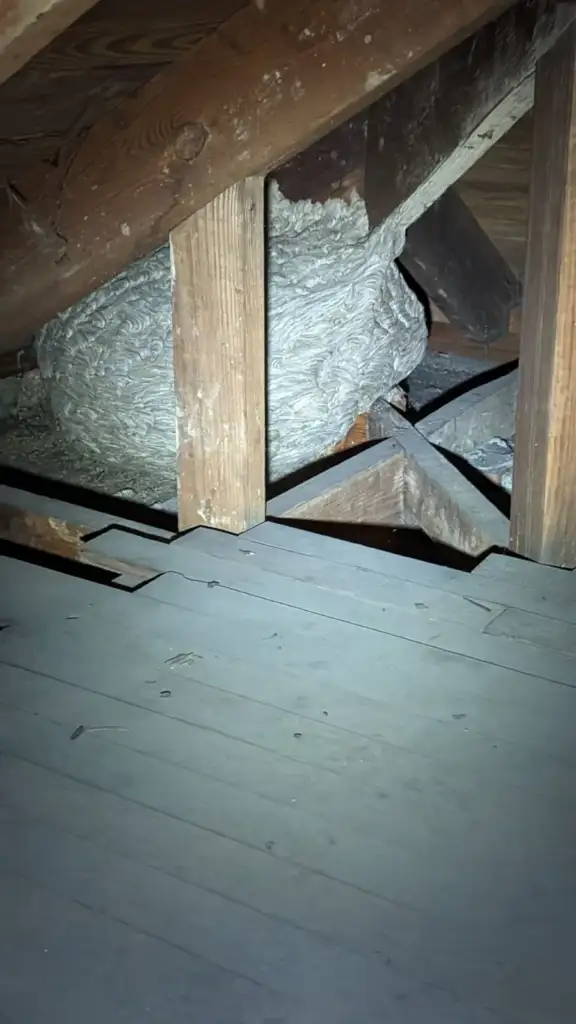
{"x": 555, "y": 583}
{"x": 243, "y": 813}
{"x": 470, "y": 420}
{"x": 437, "y": 497}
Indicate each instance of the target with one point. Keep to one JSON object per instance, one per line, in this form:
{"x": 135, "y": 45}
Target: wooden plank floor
{"x": 290, "y": 781}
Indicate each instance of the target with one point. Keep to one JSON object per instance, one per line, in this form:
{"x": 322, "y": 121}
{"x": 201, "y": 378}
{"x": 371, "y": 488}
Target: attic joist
{"x": 273, "y": 79}
{"x": 27, "y": 26}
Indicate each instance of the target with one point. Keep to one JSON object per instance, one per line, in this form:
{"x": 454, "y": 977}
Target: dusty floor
{"x": 355, "y": 803}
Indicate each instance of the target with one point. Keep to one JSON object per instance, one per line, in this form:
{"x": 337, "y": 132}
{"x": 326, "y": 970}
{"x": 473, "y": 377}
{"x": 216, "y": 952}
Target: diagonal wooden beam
{"x": 459, "y": 268}
{"x": 483, "y": 412}
{"x": 273, "y": 79}
{"x": 437, "y": 497}
{"x": 27, "y": 26}
{"x": 417, "y": 128}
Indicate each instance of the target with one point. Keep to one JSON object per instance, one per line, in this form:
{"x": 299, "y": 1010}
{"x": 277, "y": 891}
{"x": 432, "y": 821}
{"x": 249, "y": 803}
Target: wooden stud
{"x": 27, "y": 26}
{"x": 544, "y": 490}
{"x": 218, "y": 259}
{"x": 452, "y": 259}
{"x": 246, "y": 98}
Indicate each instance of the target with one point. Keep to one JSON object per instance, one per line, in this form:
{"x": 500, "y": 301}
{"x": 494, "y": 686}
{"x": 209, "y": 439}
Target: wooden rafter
{"x": 421, "y": 125}
{"x": 249, "y": 96}
{"x": 27, "y": 26}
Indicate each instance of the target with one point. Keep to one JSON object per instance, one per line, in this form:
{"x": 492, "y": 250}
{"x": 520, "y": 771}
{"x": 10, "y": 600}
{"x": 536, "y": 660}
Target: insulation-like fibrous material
{"x": 343, "y": 330}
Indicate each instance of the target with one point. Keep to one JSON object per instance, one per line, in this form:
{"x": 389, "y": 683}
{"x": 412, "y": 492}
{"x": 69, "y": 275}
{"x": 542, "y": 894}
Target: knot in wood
{"x": 190, "y": 141}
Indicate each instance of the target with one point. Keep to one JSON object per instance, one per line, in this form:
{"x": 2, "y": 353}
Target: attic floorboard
{"x": 235, "y": 796}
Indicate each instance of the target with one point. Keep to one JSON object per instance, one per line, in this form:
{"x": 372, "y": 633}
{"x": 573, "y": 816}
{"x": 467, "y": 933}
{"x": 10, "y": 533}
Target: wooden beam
{"x": 27, "y": 26}
{"x": 268, "y": 83}
{"x": 366, "y": 488}
{"x": 452, "y": 259}
{"x": 440, "y": 106}
{"x": 400, "y": 481}
{"x": 544, "y": 491}
{"x": 93, "y": 521}
{"x": 419, "y": 125}
{"x": 449, "y": 339}
{"x": 219, "y": 360}
{"x": 475, "y": 417}
{"x": 446, "y": 506}
{"x": 437, "y": 497}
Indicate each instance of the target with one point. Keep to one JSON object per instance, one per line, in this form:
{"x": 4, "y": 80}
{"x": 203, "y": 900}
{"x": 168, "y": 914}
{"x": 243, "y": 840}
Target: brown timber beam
{"x": 59, "y": 537}
{"x": 273, "y": 79}
{"x": 219, "y": 361}
{"x": 452, "y": 259}
{"x": 544, "y": 491}
{"x": 27, "y": 26}
{"x": 421, "y": 124}
{"x": 366, "y": 488}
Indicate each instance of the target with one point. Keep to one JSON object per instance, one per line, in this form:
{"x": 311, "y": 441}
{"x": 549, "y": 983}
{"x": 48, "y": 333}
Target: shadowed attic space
{"x": 399, "y": 281}
{"x": 495, "y": 189}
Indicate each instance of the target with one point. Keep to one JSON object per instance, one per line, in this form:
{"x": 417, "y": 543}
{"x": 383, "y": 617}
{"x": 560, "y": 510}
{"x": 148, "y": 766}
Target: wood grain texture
{"x": 105, "y": 56}
{"x": 437, "y": 497}
{"x": 422, "y": 122}
{"x": 45, "y": 533}
{"x": 257, "y": 831}
{"x": 544, "y": 491}
{"x": 454, "y": 261}
{"x": 64, "y": 539}
{"x": 26, "y": 26}
{"x": 93, "y": 521}
{"x": 365, "y": 488}
{"x": 449, "y": 508}
{"x": 246, "y": 98}
{"x": 219, "y": 360}
{"x": 497, "y": 189}
{"x": 410, "y": 132}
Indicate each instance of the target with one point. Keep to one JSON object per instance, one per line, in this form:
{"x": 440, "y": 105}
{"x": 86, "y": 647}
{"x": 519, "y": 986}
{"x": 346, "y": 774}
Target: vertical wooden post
{"x": 218, "y": 261}
{"x": 544, "y": 493}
